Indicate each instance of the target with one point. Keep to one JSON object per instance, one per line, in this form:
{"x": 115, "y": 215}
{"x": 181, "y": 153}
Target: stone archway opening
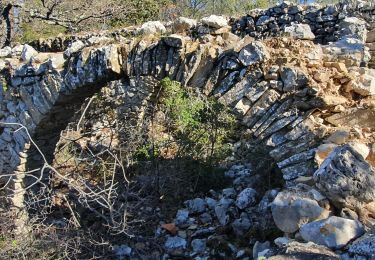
{"x": 283, "y": 91}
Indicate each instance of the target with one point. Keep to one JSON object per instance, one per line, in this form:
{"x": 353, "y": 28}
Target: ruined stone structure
{"x": 291, "y": 94}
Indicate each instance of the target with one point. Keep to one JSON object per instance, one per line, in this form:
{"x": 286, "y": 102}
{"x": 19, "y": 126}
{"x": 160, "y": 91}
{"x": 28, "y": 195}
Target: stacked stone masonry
{"x": 309, "y": 103}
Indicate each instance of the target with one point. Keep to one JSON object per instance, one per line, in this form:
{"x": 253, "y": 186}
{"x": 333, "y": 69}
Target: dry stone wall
{"x": 302, "y": 100}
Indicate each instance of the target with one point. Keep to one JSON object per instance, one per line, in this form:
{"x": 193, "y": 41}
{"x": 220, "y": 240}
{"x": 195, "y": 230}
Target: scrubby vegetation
{"x": 100, "y": 197}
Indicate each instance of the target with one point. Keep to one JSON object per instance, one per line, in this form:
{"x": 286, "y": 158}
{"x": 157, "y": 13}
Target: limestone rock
{"x": 333, "y": 232}
{"x": 243, "y": 106}
{"x": 183, "y": 24}
{"x": 28, "y": 52}
{"x": 302, "y": 251}
{"x": 17, "y": 50}
{"x": 300, "y": 31}
{"x": 364, "y": 83}
{"x": 314, "y": 55}
{"x": 214, "y": 21}
{"x": 174, "y": 243}
{"x": 197, "y": 205}
{"x": 292, "y": 78}
{"x": 323, "y": 151}
{"x": 292, "y": 208}
{"x": 282, "y": 242}
{"x": 264, "y": 19}
{"x": 365, "y": 245}
{"x": 174, "y": 40}
{"x": 198, "y": 245}
{"x": 253, "y": 53}
{"x": 241, "y": 225}
{"x": 258, "y": 248}
{"x": 6, "y": 52}
{"x": 350, "y": 50}
{"x": 152, "y": 27}
{"x": 182, "y": 217}
{"x": 353, "y": 117}
{"x": 354, "y": 27}
{"x": 221, "y": 210}
{"x": 73, "y": 48}
{"x": 338, "y": 137}
{"x": 346, "y": 178}
{"x": 360, "y": 148}
{"x": 246, "y": 198}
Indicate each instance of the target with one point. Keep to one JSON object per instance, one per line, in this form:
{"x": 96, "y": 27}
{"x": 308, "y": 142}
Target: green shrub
{"x": 200, "y": 126}
{"x": 36, "y": 30}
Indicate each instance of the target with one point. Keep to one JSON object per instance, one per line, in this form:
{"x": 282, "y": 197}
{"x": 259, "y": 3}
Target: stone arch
{"x": 275, "y": 106}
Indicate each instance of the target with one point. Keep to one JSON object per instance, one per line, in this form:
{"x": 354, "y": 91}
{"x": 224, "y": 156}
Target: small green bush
{"x": 200, "y": 126}
{"x": 36, "y": 30}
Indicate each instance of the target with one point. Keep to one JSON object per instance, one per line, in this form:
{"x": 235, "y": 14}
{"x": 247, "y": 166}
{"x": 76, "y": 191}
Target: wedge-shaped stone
{"x": 297, "y": 170}
{"x": 304, "y": 143}
{"x": 240, "y": 89}
{"x": 260, "y": 107}
{"x": 274, "y": 116}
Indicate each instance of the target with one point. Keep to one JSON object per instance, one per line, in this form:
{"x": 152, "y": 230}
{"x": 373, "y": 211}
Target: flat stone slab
{"x": 354, "y": 117}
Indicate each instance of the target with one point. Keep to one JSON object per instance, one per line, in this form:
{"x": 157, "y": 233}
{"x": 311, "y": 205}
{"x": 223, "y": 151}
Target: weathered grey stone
{"x": 292, "y": 208}
{"x": 297, "y": 158}
{"x": 302, "y": 251}
{"x": 259, "y": 248}
{"x": 253, "y": 53}
{"x": 365, "y": 245}
{"x": 221, "y": 210}
{"x": 174, "y": 243}
{"x": 198, "y": 245}
{"x": 300, "y": 31}
{"x": 205, "y": 218}
{"x": 174, "y": 40}
{"x": 182, "y": 217}
{"x": 263, "y": 20}
{"x": 152, "y": 27}
{"x": 73, "y": 48}
{"x": 260, "y": 107}
{"x": 229, "y": 193}
{"x": 354, "y": 27}
{"x": 292, "y": 78}
{"x": 241, "y": 225}
{"x": 346, "y": 178}
{"x": 17, "y": 50}
{"x": 214, "y": 21}
{"x": 240, "y": 89}
{"x": 353, "y": 117}
{"x": 211, "y": 203}
{"x": 333, "y": 232}
{"x": 256, "y": 91}
{"x": 6, "y": 52}
{"x": 197, "y": 205}
{"x": 183, "y": 24}
{"x": 338, "y": 137}
{"x": 348, "y": 49}
{"x": 246, "y": 198}
{"x": 226, "y": 83}
{"x": 242, "y": 106}
{"x": 364, "y": 83}
{"x": 28, "y": 52}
